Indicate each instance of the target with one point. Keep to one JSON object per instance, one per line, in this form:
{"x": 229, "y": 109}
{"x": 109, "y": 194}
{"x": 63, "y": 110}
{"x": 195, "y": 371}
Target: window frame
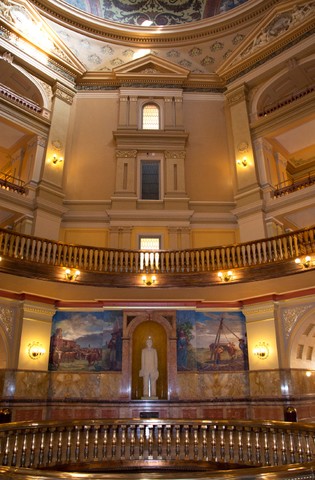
{"x": 159, "y": 102}
{"x": 151, "y": 156}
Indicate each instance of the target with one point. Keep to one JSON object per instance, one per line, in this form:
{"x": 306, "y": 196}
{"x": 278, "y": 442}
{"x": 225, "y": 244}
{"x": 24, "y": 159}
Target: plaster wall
{"x": 90, "y": 163}
{"x": 209, "y": 174}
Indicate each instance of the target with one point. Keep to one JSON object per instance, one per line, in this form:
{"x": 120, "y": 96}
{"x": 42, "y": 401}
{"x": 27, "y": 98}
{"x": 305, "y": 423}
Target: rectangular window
{"x": 150, "y": 180}
{"x": 150, "y": 243}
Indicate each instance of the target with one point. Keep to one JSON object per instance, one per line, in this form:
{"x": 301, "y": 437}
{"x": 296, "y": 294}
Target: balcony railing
{"x": 152, "y": 444}
{"x": 9, "y": 182}
{"x": 106, "y": 260}
{"x": 23, "y": 101}
{"x": 292, "y": 185}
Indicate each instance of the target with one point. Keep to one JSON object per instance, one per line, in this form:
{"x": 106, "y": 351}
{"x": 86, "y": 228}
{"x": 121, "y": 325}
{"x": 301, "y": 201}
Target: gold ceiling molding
{"x": 186, "y": 34}
{"x": 284, "y": 25}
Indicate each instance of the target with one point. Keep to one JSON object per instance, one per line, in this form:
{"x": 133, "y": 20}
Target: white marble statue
{"x": 149, "y": 369}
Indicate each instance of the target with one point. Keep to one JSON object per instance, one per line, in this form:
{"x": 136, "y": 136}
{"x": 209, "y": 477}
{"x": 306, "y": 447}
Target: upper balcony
{"x": 35, "y": 257}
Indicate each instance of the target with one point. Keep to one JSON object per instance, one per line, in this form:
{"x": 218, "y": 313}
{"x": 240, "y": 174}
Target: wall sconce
{"x": 148, "y": 281}
{"x": 306, "y": 263}
{"x": 225, "y": 276}
{"x": 35, "y": 350}
{"x": 71, "y": 276}
{"x": 55, "y": 159}
{"x": 308, "y": 373}
{"x": 261, "y": 350}
{"x": 242, "y": 161}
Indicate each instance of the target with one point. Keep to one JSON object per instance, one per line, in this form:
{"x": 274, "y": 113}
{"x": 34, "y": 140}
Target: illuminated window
{"x": 150, "y": 179}
{"x": 150, "y": 117}
{"x": 150, "y": 243}
{"x": 149, "y": 258}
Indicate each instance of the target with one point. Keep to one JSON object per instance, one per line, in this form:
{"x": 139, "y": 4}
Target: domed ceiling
{"x": 155, "y": 12}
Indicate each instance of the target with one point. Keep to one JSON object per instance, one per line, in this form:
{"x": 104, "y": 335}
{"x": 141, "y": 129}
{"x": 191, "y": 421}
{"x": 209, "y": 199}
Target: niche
{"x": 157, "y": 333}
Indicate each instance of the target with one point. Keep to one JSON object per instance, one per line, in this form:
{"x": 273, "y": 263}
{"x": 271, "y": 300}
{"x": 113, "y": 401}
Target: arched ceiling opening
{"x": 157, "y": 13}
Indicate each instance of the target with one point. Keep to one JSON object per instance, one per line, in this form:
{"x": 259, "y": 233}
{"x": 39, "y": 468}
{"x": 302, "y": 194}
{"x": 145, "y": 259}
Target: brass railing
{"x": 109, "y": 444}
{"x": 106, "y": 260}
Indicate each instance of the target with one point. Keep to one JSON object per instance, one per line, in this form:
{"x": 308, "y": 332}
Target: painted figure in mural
{"x": 182, "y": 344}
{"x": 149, "y": 369}
{"x": 112, "y": 350}
{"x": 243, "y": 347}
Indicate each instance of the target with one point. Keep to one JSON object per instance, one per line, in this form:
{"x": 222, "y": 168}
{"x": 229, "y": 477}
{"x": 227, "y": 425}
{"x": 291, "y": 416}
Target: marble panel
{"x": 267, "y": 383}
{"x": 301, "y": 383}
{"x": 31, "y": 384}
{"x": 223, "y": 384}
{"x": 75, "y": 385}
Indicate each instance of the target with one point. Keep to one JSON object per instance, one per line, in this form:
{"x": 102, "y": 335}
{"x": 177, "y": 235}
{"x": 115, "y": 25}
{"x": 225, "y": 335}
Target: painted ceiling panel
{"x": 155, "y": 12}
{"x": 201, "y": 58}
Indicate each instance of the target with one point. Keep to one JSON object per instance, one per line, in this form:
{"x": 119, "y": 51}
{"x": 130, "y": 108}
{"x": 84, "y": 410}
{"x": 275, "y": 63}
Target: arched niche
{"x": 301, "y": 344}
{"x": 161, "y": 326}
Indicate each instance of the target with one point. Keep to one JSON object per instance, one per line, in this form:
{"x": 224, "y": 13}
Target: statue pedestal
{"x": 149, "y": 398}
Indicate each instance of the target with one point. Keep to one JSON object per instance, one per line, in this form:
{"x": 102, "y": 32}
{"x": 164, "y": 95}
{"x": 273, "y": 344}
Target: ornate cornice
{"x": 175, "y": 35}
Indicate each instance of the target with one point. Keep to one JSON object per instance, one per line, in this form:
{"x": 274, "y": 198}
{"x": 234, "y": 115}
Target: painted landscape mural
{"x": 211, "y": 341}
{"x": 86, "y": 341}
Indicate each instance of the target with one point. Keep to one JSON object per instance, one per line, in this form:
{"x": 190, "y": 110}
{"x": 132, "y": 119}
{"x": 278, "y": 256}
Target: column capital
{"x": 63, "y": 93}
{"x": 237, "y": 95}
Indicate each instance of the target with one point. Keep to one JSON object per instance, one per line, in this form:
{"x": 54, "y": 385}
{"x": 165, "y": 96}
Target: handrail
{"x": 37, "y": 250}
{"x": 111, "y": 442}
{"x": 25, "y": 102}
{"x": 9, "y": 182}
{"x": 294, "y": 184}
{"x": 286, "y": 101}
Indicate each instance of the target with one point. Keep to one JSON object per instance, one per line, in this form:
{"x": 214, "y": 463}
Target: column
{"x": 125, "y": 195}
{"x": 35, "y": 335}
{"x": 175, "y": 190}
{"x": 49, "y": 196}
{"x": 249, "y": 204}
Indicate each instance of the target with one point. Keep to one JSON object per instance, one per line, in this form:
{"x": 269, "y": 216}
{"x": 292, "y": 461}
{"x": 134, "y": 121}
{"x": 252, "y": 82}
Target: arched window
{"x": 150, "y": 116}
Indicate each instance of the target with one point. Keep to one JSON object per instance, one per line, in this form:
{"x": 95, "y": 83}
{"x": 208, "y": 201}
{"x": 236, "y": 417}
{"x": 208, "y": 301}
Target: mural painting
{"x": 86, "y": 341}
{"x": 209, "y": 341}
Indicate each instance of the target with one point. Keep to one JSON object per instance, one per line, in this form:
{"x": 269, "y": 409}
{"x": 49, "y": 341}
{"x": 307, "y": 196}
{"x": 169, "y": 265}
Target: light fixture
{"x": 148, "y": 281}
{"x": 308, "y": 373}
{"x": 306, "y": 263}
{"x": 261, "y": 350}
{"x": 225, "y": 276}
{"x": 243, "y": 150}
{"x": 35, "y": 350}
{"x": 242, "y": 162}
{"x": 55, "y": 159}
{"x": 71, "y": 275}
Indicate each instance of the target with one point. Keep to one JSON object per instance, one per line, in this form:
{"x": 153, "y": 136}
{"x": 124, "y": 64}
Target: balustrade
{"x": 93, "y": 259}
{"x": 50, "y": 445}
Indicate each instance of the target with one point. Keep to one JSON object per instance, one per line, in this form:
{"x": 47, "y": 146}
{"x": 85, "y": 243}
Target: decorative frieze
{"x": 291, "y": 317}
{"x": 7, "y": 316}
